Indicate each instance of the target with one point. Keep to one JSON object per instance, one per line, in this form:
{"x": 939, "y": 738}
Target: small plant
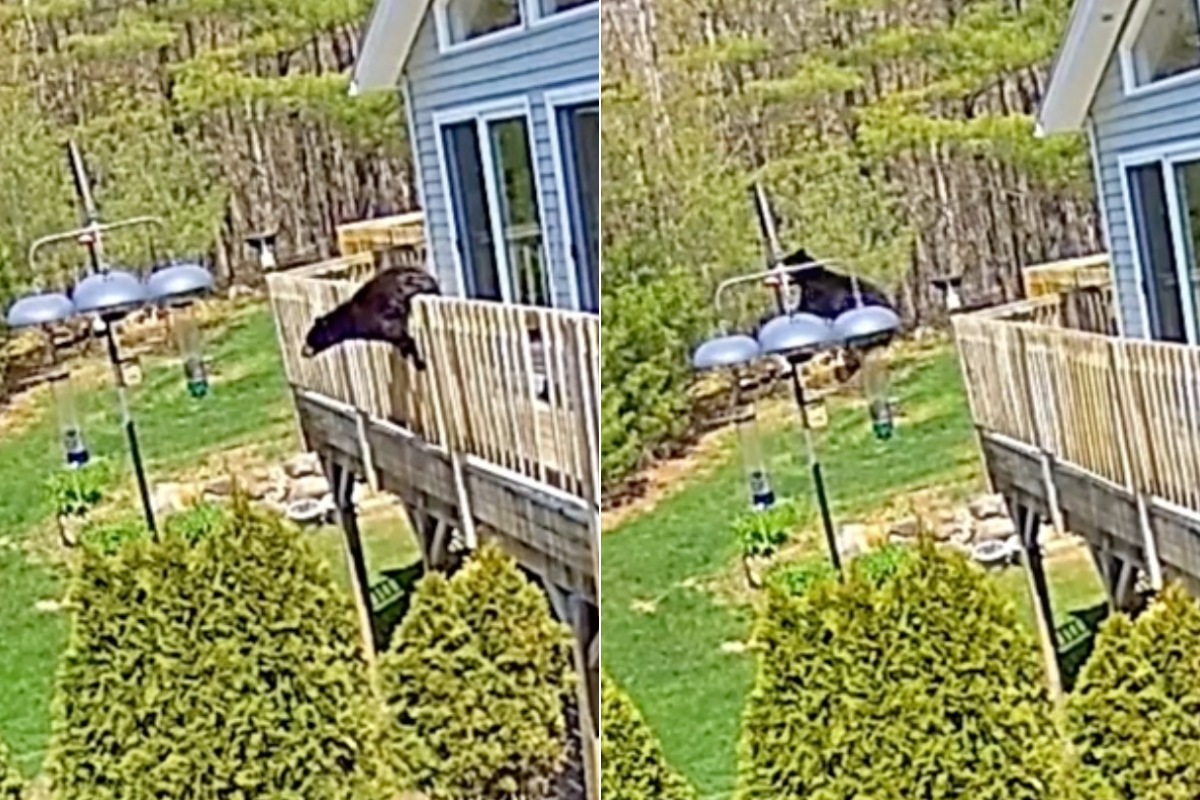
{"x": 107, "y": 538}
{"x": 762, "y": 534}
{"x": 75, "y": 492}
{"x": 197, "y": 522}
{"x": 879, "y": 565}
{"x": 799, "y": 577}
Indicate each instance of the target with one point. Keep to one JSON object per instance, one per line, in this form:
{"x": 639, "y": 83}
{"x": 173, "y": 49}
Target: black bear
{"x": 378, "y": 312}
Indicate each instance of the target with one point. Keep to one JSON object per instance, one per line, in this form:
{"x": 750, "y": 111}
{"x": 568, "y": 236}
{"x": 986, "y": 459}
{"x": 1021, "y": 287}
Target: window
{"x": 1163, "y": 196}
{"x": 470, "y": 19}
{"x": 551, "y": 7}
{"x": 1167, "y": 43}
{"x": 495, "y": 211}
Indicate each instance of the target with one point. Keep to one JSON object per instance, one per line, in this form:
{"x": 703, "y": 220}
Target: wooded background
{"x": 893, "y": 136}
{"x": 227, "y": 117}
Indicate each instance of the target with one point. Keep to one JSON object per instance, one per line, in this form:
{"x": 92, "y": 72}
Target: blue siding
{"x": 550, "y": 55}
{"x": 1126, "y": 125}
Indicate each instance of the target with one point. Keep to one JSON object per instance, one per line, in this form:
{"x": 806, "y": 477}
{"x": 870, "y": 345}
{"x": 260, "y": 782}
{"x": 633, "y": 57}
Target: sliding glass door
{"x": 579, "y": 127}
{"x": 472, "y": 216}
{"x": 1164, "y": 207}
{"x": 494, "y": 209}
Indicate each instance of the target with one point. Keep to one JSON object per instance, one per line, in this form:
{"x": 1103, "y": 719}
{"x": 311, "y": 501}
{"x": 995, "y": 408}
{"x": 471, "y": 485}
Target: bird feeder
{"x": 950, "y": 287}
{"x": 868, "y": 330}
{"x": 762, "y": 496}
{"x": 734, "y": 353}
{"x": 69, "y": 428}
{"x": 190, "y": 343}
{"x": 876, "y": 385}
{"x": 176, "y": 286}
{"x": 264, "y": 245}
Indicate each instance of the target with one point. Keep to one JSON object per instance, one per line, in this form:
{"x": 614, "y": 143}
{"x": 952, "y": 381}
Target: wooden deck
{"x": 1095, "y": 433}
{"x": 498, "y": 439}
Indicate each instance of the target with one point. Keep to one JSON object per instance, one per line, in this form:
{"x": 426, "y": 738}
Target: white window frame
{"x": 531, "y": 18}
{"x": 446, "y": 44}
{"x": 482, "y": 114}
{"x": 1167, "y": 158}
{"x": 538, "y": 19}
{"x": 1129, "y": 81}
{"x": 554, "y": 100}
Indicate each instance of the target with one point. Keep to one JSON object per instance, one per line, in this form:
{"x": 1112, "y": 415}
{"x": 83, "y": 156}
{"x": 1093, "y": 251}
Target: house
{"x": 1097, "y": 434}
{"x": 503, "y": 104}
{"x": 1128, "y": 74}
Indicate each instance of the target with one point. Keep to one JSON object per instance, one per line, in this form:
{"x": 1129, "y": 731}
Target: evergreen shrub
{"x": 633, "y": 766}
{"x": 921, "y": 686}
{"x": 11, "y": 783}
{"x": 1134, "y": 716}
{"x": 476, "y": 681}
{"x": 231, "y": 668}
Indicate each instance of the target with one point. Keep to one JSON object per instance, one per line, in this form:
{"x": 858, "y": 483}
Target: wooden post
{"x": 572, "y": 608}
{"x": 341, "y": 481}
{"x": 589, "y": 694}
{"x": 1039, "y": 594}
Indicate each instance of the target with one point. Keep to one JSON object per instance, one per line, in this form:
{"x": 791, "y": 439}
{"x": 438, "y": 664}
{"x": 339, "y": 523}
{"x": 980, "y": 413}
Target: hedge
{"x": 11, "y": 783}
{"x": 229, "y": 668}
{"x": 1134, "y": 717}
{"x": 922, "y": 685}
{"x": 475, "y": 682}
{"x": 633, "y": 766}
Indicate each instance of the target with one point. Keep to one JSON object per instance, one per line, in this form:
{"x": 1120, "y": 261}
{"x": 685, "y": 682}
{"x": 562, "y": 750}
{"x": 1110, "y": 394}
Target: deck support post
{"x": 1123, "y": 587}
{"x": 584, "y": 620}
{"x": 1028, "y": 525}
{"x": 1154, "y": 569}
{"x": 586, "y": 629}
{"x": 1105, "y": 563}
{"x": 433, "y": 534}
{"x": 361, "y": 422}
{"x": 341, "y": 481}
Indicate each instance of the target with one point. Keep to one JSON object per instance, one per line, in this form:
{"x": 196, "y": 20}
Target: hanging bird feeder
{"x": 868, "y": 330}
{"x": 762, "y": 496}
{"x": 69, "y": 428}
{"x": 176, "y": 287}
{"x": 41, "y": 310}
{"x": 187, "y": 338}
{"x": 733, "y": 353}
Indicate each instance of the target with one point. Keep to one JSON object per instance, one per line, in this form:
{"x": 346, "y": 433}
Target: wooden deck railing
{"x": 1060, "y": 276}
{"x": 1126, "y": 410}
{"x": 514, "y": 386}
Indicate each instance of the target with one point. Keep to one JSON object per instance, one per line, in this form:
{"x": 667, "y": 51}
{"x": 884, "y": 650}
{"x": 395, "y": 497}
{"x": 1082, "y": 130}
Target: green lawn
{"x": 671, "y": 659}
{"x": 248, "y": 405}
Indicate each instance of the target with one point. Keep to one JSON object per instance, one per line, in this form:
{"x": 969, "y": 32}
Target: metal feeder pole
{"x": 771, "y": 244}
{"x": 92, "y": 232}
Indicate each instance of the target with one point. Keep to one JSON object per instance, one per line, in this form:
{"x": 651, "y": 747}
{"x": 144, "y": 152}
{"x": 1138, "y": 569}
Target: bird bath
{"x": 309, "y": 512}
{"x": 994, "y": 554}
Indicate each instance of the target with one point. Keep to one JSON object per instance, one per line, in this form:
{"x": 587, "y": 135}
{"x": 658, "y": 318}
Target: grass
{"x": 670, "y": 659}
{"x": 248, "y": 404}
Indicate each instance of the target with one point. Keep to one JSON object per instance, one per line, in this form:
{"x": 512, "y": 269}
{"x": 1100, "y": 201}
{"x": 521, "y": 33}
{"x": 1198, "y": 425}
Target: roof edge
{"x": 391, "y": 30}
{"x": 1075, "y": 75}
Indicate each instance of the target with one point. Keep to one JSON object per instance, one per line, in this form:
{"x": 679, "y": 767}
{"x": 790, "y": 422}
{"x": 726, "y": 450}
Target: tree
{"x": 922, "y": 685}
{"x": 227, "y": 668}
{"x": 632, "y": 762}
{"x": 1133, "y": 714}
{"x": 475, "y": 683}
{"x": 11, "y": 783}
